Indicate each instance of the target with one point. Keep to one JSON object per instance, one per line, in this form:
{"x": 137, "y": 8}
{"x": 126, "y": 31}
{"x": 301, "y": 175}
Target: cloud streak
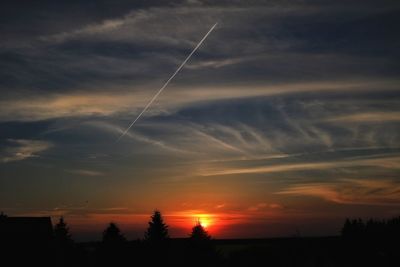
{"x": 367, "y": 117}
{"x": 351, "y": 191}
{"x": 86, "y": 172}
{"x": 105, "y": 104}
{"x": 22, "y": 149}
{"x": 384, "y": 162}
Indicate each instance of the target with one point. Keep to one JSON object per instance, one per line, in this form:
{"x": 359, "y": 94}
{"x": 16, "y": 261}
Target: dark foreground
{"x": 27, "y": 241}
{"x": 321, "y": 251}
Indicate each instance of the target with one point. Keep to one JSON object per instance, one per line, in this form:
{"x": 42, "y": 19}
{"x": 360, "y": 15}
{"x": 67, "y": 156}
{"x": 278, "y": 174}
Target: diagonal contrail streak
{"x": 167, "y": 82}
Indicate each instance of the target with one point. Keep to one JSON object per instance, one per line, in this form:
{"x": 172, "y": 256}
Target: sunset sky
{"x": 285, "y": 121}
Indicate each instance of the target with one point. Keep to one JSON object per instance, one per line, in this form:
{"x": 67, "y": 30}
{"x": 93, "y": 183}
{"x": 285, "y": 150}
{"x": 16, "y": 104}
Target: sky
{"x": 284, "y": 122}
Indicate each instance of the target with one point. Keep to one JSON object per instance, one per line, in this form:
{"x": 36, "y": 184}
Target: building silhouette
{"x": 26, "y": 240}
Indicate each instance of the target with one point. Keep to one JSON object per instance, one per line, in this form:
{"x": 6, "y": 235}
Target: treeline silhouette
{"x": 157, "y": 248}
{"x": 373, "y": 242}
{"x": 372, "y": 230}
{"x": 22, "y": 245}
{"x": 361, "y": 243}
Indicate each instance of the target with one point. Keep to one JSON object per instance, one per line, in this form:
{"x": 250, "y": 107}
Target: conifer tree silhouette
{"x": 3, "y": 216}
{"x": 199, "y": 233}
{"x": 157, "y": 230}
{"x": 201, "y": 251}
{"x": 64, "y": 246}
{"x": 112, "y": 235}
{"x": 61, "y": 233}
{"x": 112, "y": 250}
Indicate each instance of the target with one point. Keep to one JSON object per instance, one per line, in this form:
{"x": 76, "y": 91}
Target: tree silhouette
{"x": 201, "y": 251}
{"x": 158, "y": 230}
{"x": 112, "y": 250}
{"x": 372, "y": 230}
{"x": 199, "y": 233}
{"x": 372, "y": 242}
{"x": 64, "y": 246}
{"x": 112, "y": 235}
{"x": 61, "y": 233}
{"x": 2, "y": 215}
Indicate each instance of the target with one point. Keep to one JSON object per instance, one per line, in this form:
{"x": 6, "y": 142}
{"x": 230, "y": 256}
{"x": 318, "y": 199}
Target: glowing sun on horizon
{"x": 204, "y": 219}
{"x": 204, "y": 224}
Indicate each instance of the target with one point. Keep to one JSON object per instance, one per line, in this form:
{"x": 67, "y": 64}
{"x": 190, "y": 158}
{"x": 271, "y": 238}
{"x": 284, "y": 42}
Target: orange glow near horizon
{"x": 220, "y": 224}
{"x": 205, "y": 220}
{"x": 134, "y": 224}
{"x": 214, "y": 223}
{"x": 180, "y": 223}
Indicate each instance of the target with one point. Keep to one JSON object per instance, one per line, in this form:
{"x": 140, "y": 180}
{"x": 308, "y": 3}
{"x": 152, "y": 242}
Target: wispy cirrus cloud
{"x": 21, "y": 149}
{"x": 367, "y": 117}
{"x": 86, "y": 172}
{"x": 390, "y": 162}
{"x": 112, "y": 128}
{"x": 351, "y": 191}
{"x": 99, "y": 28}
{"x": 264, "y": 206}
{"x": 123, "y": 101}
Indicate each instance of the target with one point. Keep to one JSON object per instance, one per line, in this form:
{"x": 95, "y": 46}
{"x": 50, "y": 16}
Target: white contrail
{"x": 167, "y": 82}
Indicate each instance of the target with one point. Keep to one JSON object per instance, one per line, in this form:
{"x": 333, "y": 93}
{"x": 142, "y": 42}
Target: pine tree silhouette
{"x": 201, "y": 251}
{"x": 112, "y": 235}
{"x": 157, "y": 230}
{"x": 61, "y": 233}
{"x": 64, "y": 246}
{"x": 199, "y": 233}
{"x": 112, "y": 250}
{"x": 3, "y": 216}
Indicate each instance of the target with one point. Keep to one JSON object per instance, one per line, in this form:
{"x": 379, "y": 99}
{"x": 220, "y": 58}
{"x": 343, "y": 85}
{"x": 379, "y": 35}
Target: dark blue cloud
{"x": 316, "y": 41}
